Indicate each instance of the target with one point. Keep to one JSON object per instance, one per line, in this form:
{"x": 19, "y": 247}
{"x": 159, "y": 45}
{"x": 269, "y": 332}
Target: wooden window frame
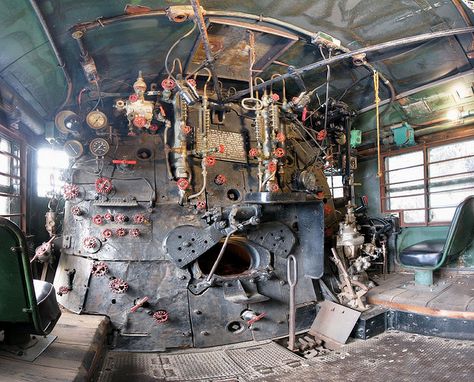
{"x": 424, "y": 149}
{"x": 16, "y": 138}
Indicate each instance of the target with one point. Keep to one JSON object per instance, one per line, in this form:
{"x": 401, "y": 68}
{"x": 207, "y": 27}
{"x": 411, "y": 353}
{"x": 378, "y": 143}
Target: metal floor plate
{"x": 392, "y": 355}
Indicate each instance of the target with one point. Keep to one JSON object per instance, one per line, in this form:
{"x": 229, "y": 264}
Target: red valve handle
{"x": 133, "y": 97}
{"x": 255, "y": 319}
{"x": 272, "y": 167}
{"x": 139, "y": 304}
{"x": 253, "y": 152}
{"x": 281, "y": 137}
{"x": 275, "y": 97}
{"x": 220, "y": 180}
{"x": 139, "y": 121}
{"x": 161, "y": 316}
{"x": 210, "y": 161}
{"x": 279, "y": 152}
{"x": 168, "y": 84}
{"x": 124, "y": 161}
{"x": 182, "y": 183}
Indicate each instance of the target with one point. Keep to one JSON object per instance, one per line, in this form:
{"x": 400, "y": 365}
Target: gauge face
{"x": 73, "y": 149}
{"x": 99, "y": 147}
{"x": 96, "y": 120}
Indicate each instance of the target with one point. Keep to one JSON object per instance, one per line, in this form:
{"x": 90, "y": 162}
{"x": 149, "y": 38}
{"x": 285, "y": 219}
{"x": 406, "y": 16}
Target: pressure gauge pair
{"x": 98, "y": 147}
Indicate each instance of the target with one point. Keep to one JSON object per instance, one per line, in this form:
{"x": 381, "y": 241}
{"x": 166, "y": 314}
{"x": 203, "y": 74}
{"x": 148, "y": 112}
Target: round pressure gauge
{"x": 96, "y": 120}
{"x": 73, "y": 148}
{"x": 99, "y": 147}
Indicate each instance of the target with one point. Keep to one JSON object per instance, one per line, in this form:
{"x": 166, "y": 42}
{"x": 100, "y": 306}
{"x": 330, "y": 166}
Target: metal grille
{"x": 394, "y": 355}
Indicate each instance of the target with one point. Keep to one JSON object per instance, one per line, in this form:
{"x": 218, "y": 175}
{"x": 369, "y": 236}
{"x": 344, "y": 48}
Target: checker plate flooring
{"x": 393, "y": 355}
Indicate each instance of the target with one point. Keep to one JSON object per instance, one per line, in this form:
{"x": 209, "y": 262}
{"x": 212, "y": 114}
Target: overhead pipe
{"x": 343, "y": 56}
{"x": 207, "y": 46}
{"x": 53, "y": 45}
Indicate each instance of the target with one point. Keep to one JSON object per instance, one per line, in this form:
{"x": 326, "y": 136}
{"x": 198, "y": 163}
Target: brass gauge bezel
{"x": 78, "y": 145}
{"x": 96, "y": 120}
{"x": 93, "y": 150}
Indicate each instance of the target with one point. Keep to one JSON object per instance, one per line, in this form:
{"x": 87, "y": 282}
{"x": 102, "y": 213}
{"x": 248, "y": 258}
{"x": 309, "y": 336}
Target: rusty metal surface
{"x": 390, "y": 356}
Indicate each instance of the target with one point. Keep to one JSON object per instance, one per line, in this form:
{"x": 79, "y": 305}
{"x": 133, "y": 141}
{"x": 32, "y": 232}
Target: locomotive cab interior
{"x": 229, "y": 191}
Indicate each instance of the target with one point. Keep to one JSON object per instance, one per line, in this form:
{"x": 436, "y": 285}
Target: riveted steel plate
{"x": 274, "y": 236}
{"x": 186, "y": 243}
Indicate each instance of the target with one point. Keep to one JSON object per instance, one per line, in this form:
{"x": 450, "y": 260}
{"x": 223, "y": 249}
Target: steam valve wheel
{"x": 121, "y": 232}
{"x": 97, "y": 219}
{"x": 135, "y": 232}
{"x": 201, "y": 205}
{"x": 168, "y": 84}
{"x": 220, "y": 180}
{"x": 76, "y": 211}
{"x": 120, "y": 218}
{"x": 221, "y": 149}
{"x": 139, "y": 122}
{"x": 99, "y": 269}
{"x": 321, "y": 135}
{"x": 91, "y": 242}
{"x": 254, "y": 153}
{"x": 274, "y": 187}
{"x": 118, "y": 286}
{"x": 107, "y": 233}
{"x": 139, "y": 219}
{"x": 191, "y": 82}
{"x": 182, "y": 183}
{"x": 161, "y": 316}
{"x": 272, "y": 167}
{"x": 279, "y": 152}
{"x": 210, "y": 161}
{"x": 281, "y": 137}
{"x": 70, "y": 191}
{"x": 103, "y": 186}
{"x": 275, "y": 97}
{"x": 108, "y": 216}
{"x": 133, "y": 98}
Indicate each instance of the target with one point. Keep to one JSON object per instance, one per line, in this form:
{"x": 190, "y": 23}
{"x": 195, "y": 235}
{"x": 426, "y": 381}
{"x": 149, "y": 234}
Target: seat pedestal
{"x": 424, "y": 277}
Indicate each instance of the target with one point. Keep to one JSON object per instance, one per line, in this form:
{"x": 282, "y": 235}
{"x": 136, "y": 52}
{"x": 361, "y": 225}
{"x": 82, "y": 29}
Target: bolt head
{"x": 204, "y": 333}
{"x": 198, "y": 312}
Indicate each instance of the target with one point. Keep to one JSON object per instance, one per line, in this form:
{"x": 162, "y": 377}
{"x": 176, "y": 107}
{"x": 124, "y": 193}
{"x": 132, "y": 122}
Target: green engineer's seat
{"x": 27, "y": 306}
{"x": 429, "y": 255}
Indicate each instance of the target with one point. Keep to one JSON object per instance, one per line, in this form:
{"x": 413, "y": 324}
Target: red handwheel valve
{"x": 182, "y": 184}
{"x": 103, "y": 186}
{"x": 220, "y": 180}
{"x": 210, "y": 161}
{"x": 279, "y": 152}
{"x": 161, "y": 316}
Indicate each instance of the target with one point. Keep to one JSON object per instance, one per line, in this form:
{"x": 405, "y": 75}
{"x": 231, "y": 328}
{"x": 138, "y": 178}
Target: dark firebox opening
{"x": 237, "y": 259}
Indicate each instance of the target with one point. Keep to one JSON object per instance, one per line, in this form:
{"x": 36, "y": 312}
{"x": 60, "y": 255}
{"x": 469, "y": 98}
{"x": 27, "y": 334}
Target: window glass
{"x": 50, "y": 164}
{"x": 449, "y": 180}
{"x": 10, "y": 200}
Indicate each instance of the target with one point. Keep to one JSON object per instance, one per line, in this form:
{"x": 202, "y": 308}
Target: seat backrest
{"x": 17, "y": 296}
{"x": 461, "y": 231}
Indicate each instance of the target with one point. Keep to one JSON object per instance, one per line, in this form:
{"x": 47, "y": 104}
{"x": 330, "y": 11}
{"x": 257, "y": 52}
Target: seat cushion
{"x": 427, "y": 253}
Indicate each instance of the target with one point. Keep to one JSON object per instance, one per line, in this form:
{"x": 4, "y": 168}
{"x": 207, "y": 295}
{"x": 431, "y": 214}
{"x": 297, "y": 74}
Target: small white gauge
{"x": 96, "y": 120}
{"x": 99, "y": 147}
{"x": 73, "y": 148}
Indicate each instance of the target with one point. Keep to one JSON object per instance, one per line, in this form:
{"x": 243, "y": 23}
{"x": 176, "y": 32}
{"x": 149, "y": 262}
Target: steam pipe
{"x": 207, "y": 48}
{"x": 59, "y": 58}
